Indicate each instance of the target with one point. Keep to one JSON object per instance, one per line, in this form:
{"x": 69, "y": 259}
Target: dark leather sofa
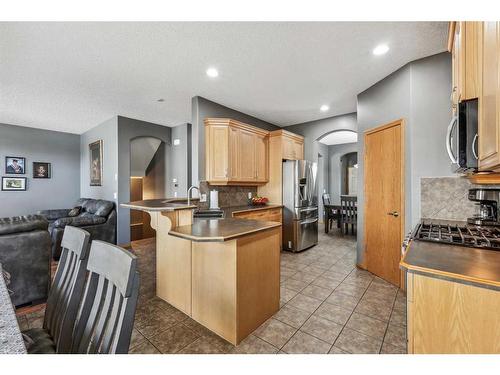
{"x": 97, "y": 216}
{"x": 25, "y": 255}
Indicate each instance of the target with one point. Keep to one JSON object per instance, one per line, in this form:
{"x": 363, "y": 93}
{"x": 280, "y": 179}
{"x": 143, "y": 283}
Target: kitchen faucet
{"x": 189, "y": 193}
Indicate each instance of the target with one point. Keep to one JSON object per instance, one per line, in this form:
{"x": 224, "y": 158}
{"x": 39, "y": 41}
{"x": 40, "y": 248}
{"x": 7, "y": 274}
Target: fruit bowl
{"x": 259, "y": 201}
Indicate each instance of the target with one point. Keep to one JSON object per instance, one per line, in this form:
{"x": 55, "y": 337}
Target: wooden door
{"x": 218, "y": 162}
{"x": 489, "y": 155}
{"x": 261, "y": 151}
{"x": 384, "y": 200}
{"x": 247, "y": 168}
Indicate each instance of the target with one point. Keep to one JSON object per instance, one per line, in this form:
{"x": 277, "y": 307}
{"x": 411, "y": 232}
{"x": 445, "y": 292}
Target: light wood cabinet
{"x": 447, "y": 317}
{"x": 269, "y": 214}
{"x": 236, "y": 153}
{"x": 282, "y": 145}
{"x": 489, "y": 106}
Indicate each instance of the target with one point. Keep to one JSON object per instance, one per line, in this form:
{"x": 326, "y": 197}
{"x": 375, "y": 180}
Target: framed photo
{"x": 41, "y": 169}
{"x": 13, "y": 183}
{"x": 95, "y": 152}
{"x": 15, "y": 165}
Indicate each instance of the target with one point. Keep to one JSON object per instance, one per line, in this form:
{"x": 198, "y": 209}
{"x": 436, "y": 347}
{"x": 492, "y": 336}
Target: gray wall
{"x": 335, "y": 152}
{"x": 419, "y": 93}
{"x": 179, "y": 164}
{"x": 108, "y": 133}
{"x": 314, "y": 130}
{"x": 129, "y": 129}
{"x": 59, "y": 149}
{"x": 203, "y": 108}
{"x": 322, "y": 175}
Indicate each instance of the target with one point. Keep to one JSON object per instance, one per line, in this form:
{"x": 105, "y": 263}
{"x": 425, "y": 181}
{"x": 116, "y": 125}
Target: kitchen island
{"x": 453, "y": 299}
{"x": 224, "y": 273}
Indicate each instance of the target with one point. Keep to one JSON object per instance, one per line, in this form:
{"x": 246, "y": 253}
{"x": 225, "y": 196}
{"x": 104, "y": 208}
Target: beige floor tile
{"x": 317, "y": 292}
{"x": 202, "y": 346}
{"x": 302, "y": 343}
{"x": 357, "y": 343}
{"x": 369, "y": 326}
{"x": 254, "y": 345}
{"x": 287, "y": 294}
{"x": 391, "y": 349}
{"x": 335, "y": 350}
{"x": 343, "y": 300}
{"x": 292, "y": 316}
{"x": 275, "y": 332}
{"x": 304, "y": 276}
{"x": 396, "y": 336}
{"x": 325, "y": 282}
{"x": 174, "y": 339}
{"x": 352, "y": 290}
{"x": 321, "y": 328}
{"x": 305, "y": 303}
{"x": 155, "y": 324}
{"x": 136, "y": 339}
{"x": 334, "y": 313}
{"x": 398, "y": 317}
{"x": 378, "y": 310}
{"x": 144, "y": 348}
{"x": 296, "y": 285}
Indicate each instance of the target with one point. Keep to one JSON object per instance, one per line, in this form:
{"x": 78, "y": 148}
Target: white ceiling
{"x": 339, "y": 137}
{"x": 73, "y": 76}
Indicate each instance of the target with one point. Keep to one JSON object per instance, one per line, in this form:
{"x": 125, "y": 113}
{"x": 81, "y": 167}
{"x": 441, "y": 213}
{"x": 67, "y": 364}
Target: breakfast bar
{"x": 224, "y": 273}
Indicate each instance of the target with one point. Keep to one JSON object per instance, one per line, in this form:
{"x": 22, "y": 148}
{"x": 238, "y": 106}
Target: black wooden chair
{"x": 106, "y": 319}
{"x": 331, "y": 212}
{"x": 348, "y": 213}
{"x": 64, "y": 297}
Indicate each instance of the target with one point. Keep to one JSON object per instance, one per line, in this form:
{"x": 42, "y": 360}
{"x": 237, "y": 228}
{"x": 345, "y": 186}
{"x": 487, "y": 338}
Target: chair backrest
{"x": 67, "y": 289}
{"x": 106, "y": 317}
{"x": 326, "y": 198}
{"x": 349, "y": 209}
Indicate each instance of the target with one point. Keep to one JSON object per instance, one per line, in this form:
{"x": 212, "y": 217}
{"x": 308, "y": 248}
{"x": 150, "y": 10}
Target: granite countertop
{"x": 457, "y": 263}
{"x": 229, "y": 211}
{"x": 171, "y": 204}
{"x": 220, "y": 230}
{"x": 11, "y": 341}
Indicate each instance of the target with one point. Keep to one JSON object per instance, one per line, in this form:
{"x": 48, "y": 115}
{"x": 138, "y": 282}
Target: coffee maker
{"x": 488, "y": 201}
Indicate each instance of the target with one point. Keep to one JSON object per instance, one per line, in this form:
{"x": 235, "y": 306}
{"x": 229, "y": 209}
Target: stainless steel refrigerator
{"x": 300, "y": 205}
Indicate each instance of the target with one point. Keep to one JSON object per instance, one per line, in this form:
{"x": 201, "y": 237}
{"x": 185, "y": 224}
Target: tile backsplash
{"x": 446, "y": 198}
{"x": 229, "y": 196}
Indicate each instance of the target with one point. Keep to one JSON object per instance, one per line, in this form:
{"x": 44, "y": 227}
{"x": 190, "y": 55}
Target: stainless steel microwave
{"x": 462, "y": 138}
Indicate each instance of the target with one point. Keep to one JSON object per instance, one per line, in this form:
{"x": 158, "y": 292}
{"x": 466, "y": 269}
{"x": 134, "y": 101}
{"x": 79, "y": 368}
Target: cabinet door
{"x": 218, "y": 153}
{"x": 298, "y": 150}
{"x": 247, "y": 170}
{"x": 234, "y": 157}
{"x": 489, "y": 156}
{"x": 261, "y": 155}
{"x": 287, "y": 148}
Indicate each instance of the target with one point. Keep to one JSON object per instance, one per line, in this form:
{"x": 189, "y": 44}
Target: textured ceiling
{"x": 72, "y": 76}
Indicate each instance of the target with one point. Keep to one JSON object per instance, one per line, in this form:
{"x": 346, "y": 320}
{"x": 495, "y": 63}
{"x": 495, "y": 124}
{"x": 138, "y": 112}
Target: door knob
{"x": 393, "y": 213}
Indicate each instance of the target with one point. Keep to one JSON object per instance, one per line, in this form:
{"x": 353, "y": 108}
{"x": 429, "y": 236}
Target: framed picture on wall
{"x": 13, "y": 183}
{"x": 41, "y": 169}
{"x": 15, "y": 165}
{"x": 95, "y": 154}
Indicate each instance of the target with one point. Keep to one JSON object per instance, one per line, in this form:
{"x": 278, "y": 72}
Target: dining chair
{"x": 106, "y": 319}
{"x": 348, "y": 213}
{"x": 64, "y": 297}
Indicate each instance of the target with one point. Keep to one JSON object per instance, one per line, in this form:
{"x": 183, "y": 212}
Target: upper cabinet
{"x": 235, "y": 153}
{"x": 489, "y": 107}
{"x": 292, "y": 145}
{"x": 464, "y": 44}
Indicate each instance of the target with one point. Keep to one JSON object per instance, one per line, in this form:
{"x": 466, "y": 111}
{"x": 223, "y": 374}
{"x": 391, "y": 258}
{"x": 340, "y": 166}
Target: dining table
{"x": 11, "y": 339}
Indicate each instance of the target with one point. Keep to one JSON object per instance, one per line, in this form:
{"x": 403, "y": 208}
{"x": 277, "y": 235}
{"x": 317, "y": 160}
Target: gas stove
{"x": 458, "y": 233}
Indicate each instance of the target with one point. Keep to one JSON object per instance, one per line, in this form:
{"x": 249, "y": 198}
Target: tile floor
{"x": 327, "y": 306}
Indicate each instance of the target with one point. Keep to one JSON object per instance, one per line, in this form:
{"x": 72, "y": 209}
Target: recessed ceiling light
{"x": 161, "y": 100}
{"x": 324, "y": 108}
{"x": 212, "y": 72}
{"x": 381, "y": 49}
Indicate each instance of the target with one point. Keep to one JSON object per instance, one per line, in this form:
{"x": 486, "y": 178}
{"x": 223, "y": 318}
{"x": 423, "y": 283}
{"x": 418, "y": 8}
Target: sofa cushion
{"x": 99, "y": 207}
{"x": 19, "y": 224}
{"x": 75, "y": 211}
{"x": 79, "y": 221}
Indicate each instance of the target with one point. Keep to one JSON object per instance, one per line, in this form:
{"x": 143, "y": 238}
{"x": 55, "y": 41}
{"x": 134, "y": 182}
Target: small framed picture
{"x": 95, "y": 152}
{"x": 13, "y": 183}
{"x": 15, "y": 165}
{"x": 41, "y": 170}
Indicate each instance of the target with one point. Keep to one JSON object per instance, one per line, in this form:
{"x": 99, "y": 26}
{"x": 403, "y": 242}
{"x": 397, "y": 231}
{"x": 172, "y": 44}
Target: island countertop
{"x": 158, "y": 205}
{"x": 220, "y": 230}
{"x": 229, "y": 211}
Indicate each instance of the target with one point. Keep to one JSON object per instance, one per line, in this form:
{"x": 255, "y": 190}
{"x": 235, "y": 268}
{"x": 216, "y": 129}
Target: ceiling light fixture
{"x": 324, "y": 108}
{"x": 161, "y": 100}
{"x": 381, "y": 49}
{"x": 212, "y": 72}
